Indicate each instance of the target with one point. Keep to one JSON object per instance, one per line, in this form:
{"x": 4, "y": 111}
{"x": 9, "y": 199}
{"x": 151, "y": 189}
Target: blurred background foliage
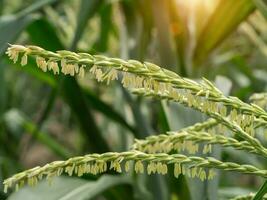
{"x": 45, "y": 118}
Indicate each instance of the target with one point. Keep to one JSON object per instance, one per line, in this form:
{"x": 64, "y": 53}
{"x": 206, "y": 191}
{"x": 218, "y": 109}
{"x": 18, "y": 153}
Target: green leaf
{"x": 11, "y": 26}
{"x": 70, "y": 90}
{"x": 1, "y": 10}
{"x": 262, "y": 191}
{"x": 255, "y": 37}
{"x": 87, "y": 10}
{"x": 141, "y": 123}
{"x": 66, "y": 188}
{"x": 38, "y": 4}
{"x": 106, "y": 109}
{"x": 164, "y": 35}
{"x": 224, "y": 20}
{"x": 3, "y": 89}
{"x": 75, "y": 98}
{"x": 43, "y": 33}
{"x": 231, "y": 192}
{"x": 31, "y": 69}
{"x": 106, "y": 27}
{"x": 180, "y": 33}
{"x": 16, "y": 121}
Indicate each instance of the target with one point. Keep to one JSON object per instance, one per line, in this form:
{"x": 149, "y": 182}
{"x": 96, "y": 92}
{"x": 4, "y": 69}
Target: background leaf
{"x": 65, "y": 188}
{"x": 225, "y": 18}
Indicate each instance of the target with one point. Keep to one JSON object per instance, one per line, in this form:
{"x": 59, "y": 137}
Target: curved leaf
{"x": 262, "y": 191}
{"x": 66, "y": 188}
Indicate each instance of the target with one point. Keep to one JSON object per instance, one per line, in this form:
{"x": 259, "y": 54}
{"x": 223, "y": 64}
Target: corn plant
{"x": 232, "y": 122}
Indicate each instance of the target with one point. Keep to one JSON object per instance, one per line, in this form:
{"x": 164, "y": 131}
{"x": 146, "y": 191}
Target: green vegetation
{"x": 156, "y": 134}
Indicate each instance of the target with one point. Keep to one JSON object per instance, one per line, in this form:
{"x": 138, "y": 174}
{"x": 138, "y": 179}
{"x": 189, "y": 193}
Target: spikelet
{"x": 112, "y": 75}
{"x": 212, "y": 174}
{"x": 202, "y": 174}
{"x": 69, "y": 170}
{"x": 70, "y": 69}
{"x": 194, "y": 172}
{"x": 233, "y": 115}
{"x": 81, "y": 71}
{"x": 52, "y": 65}
{"x": 127, "y": 79}
{"x": 13, "y": 55}
{"x": 24, "y": 59}
{"x": 116, "y": 166}
{"x": 207, "y": 148}
{"x": 223, "y": 111}
{"x": 139, "y": 167}
{"x": 99, "y": 75}
{"x": 93, "y": 69}
{"x": 14, "y": 50}
{"x": 177, "y": 170}
{"x": 127, "y": 166}
{"x": 76, "y": 68}
{"x": 41, "y": 63}
{"x": 63, "y": 66}
{"x": 151, "y": 168}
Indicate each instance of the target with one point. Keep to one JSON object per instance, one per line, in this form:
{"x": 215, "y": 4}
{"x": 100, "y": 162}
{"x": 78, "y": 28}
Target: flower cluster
{"x": 143, "y": 162}
{"x": 189, "y": 140}
{"x": 150, "y": 155}
{"x": 216, "y": 114}
{"x": 137, "y": 75}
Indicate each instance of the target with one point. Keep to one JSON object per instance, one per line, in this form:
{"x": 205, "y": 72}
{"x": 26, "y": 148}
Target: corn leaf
{"x": 65, "y": 188}
{"x": 12, "y": 25}
{"x": 15, "y": 121}
{"x": 87, "y": 10}
{"x": 262, "y": 191}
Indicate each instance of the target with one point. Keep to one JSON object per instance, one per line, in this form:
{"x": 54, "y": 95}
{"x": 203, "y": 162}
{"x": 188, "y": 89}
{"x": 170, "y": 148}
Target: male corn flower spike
{"x": 229, "y": 116}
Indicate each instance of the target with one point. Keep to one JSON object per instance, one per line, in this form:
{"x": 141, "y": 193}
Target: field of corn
{"x": 133, "y": 99}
